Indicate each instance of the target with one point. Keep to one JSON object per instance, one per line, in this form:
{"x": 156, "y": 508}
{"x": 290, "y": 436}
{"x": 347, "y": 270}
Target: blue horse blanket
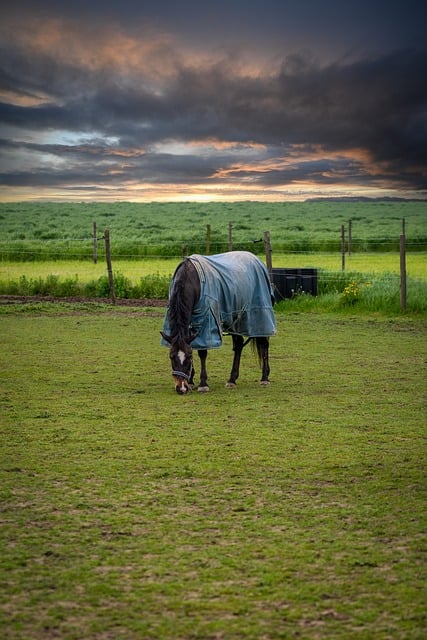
{"x": 236, "y": 298}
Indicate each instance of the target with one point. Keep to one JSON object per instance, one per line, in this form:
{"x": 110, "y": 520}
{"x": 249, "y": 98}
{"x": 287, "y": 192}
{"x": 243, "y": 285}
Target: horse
{"x": 209, "y": 295}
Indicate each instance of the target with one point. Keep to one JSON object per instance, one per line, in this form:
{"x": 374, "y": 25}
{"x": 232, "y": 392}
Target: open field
{"x": 47, "y": 248}
{"x": 374, "y": 277}
{"x": 293, "y": 511}
{"x": 30, "y": 231}
{"x": 136, "y": 269}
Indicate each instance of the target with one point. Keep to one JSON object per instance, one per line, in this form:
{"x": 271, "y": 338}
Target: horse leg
{"x": 262, "y": 345}
{"x": 237, "y": 348}
{"x": 191, "y": 381}
{"x": 203, "y": 386}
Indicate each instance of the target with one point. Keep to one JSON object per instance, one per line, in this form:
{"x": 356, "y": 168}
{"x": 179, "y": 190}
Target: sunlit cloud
{"x": 79, "y": 44}
{"x": 208, "y": 147}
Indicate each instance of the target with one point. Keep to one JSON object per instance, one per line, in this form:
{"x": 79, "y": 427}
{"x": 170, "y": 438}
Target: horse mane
{"x": 184, "y": 293}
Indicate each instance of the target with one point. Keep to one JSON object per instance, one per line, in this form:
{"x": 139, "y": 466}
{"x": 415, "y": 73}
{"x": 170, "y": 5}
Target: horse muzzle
{"x": 182, "y": 382}
{"x": 181, "y": 388}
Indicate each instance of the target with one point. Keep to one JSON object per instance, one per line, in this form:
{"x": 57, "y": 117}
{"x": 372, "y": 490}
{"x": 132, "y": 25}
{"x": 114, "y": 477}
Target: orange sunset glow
{"x": 145, "y": 103}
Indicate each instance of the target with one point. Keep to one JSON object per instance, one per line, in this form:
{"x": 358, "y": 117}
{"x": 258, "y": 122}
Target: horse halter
{"x": 181, "y": 374}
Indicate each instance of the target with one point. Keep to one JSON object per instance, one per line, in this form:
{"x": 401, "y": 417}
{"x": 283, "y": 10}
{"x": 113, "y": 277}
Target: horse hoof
{"x": 230, "y": 385}
{"x": 203, "y": 389}
{"x": 264, "y": 383}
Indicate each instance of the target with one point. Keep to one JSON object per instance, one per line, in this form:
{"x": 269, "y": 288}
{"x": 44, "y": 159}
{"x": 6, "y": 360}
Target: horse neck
{"x": 184, "y": 295}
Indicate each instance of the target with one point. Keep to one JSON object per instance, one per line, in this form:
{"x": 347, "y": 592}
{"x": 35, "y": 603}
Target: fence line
{"x": 137, "y": 249}
{"x": 319, "y": 240}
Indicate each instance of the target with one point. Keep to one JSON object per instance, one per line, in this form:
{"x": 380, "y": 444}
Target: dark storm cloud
{"x": 355, "y": 118}
{"x": 293, "y": 24}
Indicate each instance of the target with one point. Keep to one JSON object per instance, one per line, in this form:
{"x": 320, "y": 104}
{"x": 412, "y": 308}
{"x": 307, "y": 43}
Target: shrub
{"x": 351, "y": 293}
{"x": 368, "y": 292}
{"x": 153, "y": 287}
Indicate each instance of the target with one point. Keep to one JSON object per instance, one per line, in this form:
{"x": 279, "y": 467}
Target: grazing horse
{"x": 209, "y": 295}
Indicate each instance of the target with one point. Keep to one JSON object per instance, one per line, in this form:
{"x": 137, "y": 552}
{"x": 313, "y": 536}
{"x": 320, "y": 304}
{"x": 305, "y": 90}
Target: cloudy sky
{"x": 212, "y": 100}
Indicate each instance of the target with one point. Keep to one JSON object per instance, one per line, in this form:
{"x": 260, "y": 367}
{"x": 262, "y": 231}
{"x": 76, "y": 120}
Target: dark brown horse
{"x": 208, "y": 295}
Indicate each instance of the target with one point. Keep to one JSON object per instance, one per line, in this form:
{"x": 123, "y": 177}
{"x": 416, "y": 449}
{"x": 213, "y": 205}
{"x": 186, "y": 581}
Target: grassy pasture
{"x": 35, "y": 231}
{"x": 136, "y": 269}
{"x": 375, "y": 278}
{"x": 293, "y": 511}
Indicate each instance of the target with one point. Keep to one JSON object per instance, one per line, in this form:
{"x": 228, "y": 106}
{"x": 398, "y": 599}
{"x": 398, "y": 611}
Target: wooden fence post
{"x": 350, "y": 222}
{"x": 342, "y": 248}
{"x": 95, "y": 246}
{"x": 268, "y": 252}
{"x": 208, "y": 239}
{"x": 109, "y": 266}
{"x": 230, "y": 236}
{"x": 403, "y": 267}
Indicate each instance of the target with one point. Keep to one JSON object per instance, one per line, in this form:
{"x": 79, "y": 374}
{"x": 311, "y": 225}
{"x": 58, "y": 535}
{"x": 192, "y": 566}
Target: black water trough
{"x": 288, "y": 283}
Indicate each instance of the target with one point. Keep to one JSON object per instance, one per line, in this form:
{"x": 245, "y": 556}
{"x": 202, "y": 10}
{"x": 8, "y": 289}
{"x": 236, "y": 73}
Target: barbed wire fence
{"x": 97, "y": 246}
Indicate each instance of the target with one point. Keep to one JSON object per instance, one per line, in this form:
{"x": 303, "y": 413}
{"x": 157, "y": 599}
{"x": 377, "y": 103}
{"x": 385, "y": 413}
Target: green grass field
{"x": 47, "y": 248}
{"x": 136, "y": 269}
{"x": 374, "y": 277}
{"x": 35, "y": 231}
{"x": 292, "y": 511}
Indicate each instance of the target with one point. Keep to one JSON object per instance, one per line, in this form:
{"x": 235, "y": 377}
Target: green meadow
{"x": 290, "y": 511}
{"x": 48, "y": 248}
{"x": 372, "y": 277}
{"x": 36, "y": 231}
{"x": 86, "y": 270}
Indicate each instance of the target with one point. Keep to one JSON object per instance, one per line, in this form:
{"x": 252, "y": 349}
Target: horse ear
{"x": 193, "y": 337}
{"x": 165, "y": 337}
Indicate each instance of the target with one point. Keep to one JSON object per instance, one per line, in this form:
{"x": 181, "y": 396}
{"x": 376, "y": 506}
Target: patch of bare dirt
{"x": 122, "y": 302}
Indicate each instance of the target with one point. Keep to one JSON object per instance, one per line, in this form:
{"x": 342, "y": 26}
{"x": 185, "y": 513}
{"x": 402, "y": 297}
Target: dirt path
{"x": 120, "y": 302}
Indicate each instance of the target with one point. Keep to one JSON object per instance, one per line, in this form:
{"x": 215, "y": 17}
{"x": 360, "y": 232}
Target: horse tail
{"x": 259, "y": 346}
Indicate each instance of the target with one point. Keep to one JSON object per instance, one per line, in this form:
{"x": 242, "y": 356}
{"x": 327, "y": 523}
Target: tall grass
{"x": 338, "y": 291}
{"x": 59, "y": 231}
{"x": 154, "y": 286}
{"x": 360, "y": 292}
{"x": 36, "y": 251}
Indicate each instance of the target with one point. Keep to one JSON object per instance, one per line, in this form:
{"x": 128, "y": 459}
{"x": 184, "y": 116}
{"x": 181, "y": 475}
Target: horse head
{"x": 181, "y": 357}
